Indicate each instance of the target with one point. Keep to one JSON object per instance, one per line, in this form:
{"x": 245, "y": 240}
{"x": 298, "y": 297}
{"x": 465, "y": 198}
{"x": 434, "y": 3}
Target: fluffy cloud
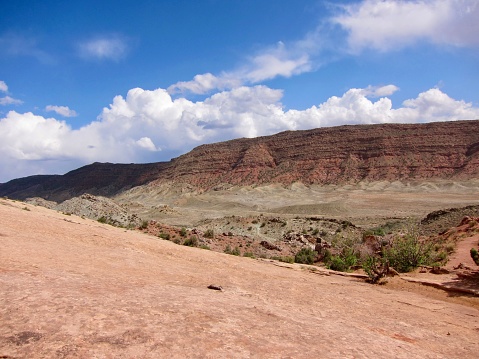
{"x": 30, "y": 137}
{"x": 152, "y": 126}
{"x": 388, "y": 24}
{"x": 61, "y": 110}
{"x": 112, "y": 47}
{"x": 268, "y": 64}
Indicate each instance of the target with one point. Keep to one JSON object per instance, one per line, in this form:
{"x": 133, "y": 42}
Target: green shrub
{"x": 191, "y": 242}
{"x": 144, "y": 225}
{"x": 441, "y": 257}
{"x": 343, "y": 261}
{"x": 204, "y": 246}
{"x": 102, "y": 219}
{"x": 450, "y": 248}
{"x": 209, "y": 233}
{"x": 249, "y": 254}
{"x": 164, "y": 236}
{"x": 327, "y": 255}
{"x": 305, "y": 256}
{"x": 408, "y": 253}
{"x": 183, "y": 232}
{"x": 234, "y": 252}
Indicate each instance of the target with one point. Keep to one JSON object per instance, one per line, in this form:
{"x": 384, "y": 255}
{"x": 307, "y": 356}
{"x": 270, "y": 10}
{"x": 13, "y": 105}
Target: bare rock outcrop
{"x": 337, "y": 155}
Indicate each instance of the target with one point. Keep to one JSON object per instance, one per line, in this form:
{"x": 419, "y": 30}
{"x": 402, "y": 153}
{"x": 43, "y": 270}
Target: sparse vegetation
{"x": 407, "y": 253}
{"x": 209, "y": 233}
{"x": 343, "y": 261}
{"x": 376, "y": 268}
{"x": 387, "y": 228}
{"x": 183, "y": 232}
{"x": 191, "y": 242}
{"x": 165, "y": 236}
{"x": 305, "y": 256}
{"x": 235, "y": 252}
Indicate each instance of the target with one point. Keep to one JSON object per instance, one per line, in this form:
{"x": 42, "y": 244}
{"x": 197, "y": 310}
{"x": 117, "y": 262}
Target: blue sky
{"x": 145, "y": 81}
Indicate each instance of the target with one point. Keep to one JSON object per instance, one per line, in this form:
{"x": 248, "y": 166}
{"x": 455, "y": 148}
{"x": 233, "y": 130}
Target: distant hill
{"x": 336, "y": 155}
{"x": 105, "y": 179}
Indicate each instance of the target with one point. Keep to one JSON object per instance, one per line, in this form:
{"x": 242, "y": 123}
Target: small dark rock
{"x": 215, "y": 287}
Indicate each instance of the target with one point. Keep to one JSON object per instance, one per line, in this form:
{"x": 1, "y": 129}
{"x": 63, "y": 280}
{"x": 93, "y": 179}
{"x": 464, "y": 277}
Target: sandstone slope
{"x": 74, "y": 288}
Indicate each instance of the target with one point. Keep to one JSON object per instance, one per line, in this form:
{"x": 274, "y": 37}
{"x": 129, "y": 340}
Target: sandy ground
{"x": 367, "y": 204}
{"x": 74, "y": 288}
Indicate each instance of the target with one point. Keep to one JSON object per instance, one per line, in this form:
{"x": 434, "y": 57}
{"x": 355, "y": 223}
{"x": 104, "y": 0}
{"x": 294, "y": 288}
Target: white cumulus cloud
{"x": 61, "y": 110}
{"x": 390, "y": 24}
{"x": 149, "y": 125}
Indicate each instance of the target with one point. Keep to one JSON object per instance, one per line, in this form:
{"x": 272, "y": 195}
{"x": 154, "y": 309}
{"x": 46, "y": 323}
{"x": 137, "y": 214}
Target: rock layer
{"x": 337, "y": 155}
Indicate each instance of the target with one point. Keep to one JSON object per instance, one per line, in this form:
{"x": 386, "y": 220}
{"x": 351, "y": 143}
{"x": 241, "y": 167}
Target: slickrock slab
{"x": 74, "y": 288}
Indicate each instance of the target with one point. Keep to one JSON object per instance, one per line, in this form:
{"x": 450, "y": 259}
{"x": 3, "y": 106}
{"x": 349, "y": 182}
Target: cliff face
{"x": 337, "y": 155}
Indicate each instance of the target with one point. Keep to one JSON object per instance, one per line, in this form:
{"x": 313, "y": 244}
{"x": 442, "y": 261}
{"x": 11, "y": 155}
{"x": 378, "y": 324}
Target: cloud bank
{"x": 152, "y": 126}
